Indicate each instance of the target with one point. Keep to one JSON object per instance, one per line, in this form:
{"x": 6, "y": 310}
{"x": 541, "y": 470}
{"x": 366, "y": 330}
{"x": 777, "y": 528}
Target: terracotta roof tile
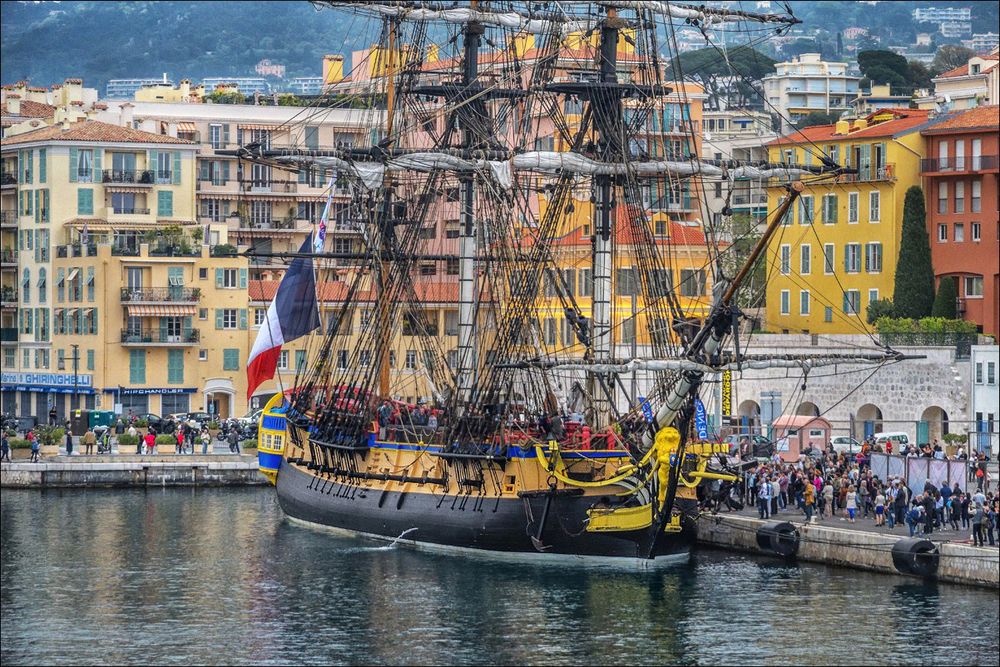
{"x": 905, "y": 120}
{"x": 30, "y": 109}
{"x": 963, "y": 70}
{"x": 984, "y": 117}
{"x": 92, "y": 130}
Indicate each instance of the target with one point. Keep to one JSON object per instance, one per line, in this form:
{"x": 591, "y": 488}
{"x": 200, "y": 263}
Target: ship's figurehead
{"x": 271, "y": 435}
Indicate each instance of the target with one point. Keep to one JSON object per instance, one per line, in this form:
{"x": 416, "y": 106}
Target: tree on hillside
{"x": 949, "y": 57}
{"x": 913, "y": 292}
{"x": 946, "y": 299}
{"x": 727, "y": 80}
{"x": 818, "y": 118}
{"x": 881, "y": 67}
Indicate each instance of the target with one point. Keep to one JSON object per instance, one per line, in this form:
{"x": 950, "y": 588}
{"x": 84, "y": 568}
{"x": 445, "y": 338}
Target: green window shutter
{"x": 186, "y": 325}
{"x": 45, "y": 205}
{"x": 94, "y": 321}
{"x": 163, "y": 329}
{"x": 98, "y": 173}
{"x": 302, "y": 175}
{"x": 153, "y": 163}
{"x": 175, "y": 275}
{"x": 90, "y": 284}
{"x": 137, "y": 366}
{"x": 225, "y": 209}
{"x": 300, "y": 359}
{"x": 176, "y": 171}
{"x": 74, "y": 157}
{"x": 31, "y": 164}
{"x": 85, "y": 201}
{"x": 230, "y": 360}
{"x": 165, "y": 203}
{"x": 218, "y": 278}
{"x": 38, "y": 208}
{"x": 42, "y": 166}
{"x": 175, "y": 367}
{"x": 243, "y": 318}
{"x": 218, "y": 318}
{"x": 225, "y": 135}
{"x": 243, "y": 278}
{"x": 90, "y": 360}
{"x": 225, "y": 171}
{"x": 203, "y": 171}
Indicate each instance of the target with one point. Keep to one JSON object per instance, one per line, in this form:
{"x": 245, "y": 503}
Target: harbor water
{"x": 219, "y": 576}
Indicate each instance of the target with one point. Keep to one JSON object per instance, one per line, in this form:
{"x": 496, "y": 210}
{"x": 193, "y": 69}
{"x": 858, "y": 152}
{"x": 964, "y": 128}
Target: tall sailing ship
{"x": 548, "y": 131}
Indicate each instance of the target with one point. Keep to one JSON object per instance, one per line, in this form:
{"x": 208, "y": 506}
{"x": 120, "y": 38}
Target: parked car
{"x": 251, "y": 418}
{"x": 762, "y": 447}
{"x": 200, "y": 418}
{"x": 899, "y": 440}
{"x": 155, "y": 422}
{"x": 843, "y": 444}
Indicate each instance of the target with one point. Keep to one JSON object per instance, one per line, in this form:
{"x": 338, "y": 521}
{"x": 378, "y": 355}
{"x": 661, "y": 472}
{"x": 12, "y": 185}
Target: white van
{"x": 899, "y": 440}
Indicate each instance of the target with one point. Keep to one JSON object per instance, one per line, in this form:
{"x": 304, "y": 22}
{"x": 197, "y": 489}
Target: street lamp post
{"x": 76, "y": 369}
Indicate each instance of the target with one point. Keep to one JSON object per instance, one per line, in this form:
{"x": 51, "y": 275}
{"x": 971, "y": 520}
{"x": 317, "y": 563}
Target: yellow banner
{"x": 727, "y": 393}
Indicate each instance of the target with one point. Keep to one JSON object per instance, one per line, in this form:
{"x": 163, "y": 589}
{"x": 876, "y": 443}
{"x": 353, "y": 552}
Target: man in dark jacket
{"x": 928, "y": 513}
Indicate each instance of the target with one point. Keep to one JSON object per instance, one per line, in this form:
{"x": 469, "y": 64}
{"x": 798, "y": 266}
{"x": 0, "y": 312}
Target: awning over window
{"x": 164, "y": 310}
{"x": 256, "y": 126}
{"x": 187, "y": 127}
{"x": 72, "y": 274}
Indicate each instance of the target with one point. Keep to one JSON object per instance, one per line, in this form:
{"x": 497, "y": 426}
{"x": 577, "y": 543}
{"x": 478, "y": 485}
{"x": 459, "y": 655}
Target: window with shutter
{"x": 85, "y": 201}
{"x": 175, "y": 366}
{"x": 137, "y": 366}
{"x": 164, "y": 204}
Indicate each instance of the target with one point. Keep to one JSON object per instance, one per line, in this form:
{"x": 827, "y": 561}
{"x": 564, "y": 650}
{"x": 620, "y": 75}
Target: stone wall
{"x": 130, "y": 474}
{"x": 959, "y": 563}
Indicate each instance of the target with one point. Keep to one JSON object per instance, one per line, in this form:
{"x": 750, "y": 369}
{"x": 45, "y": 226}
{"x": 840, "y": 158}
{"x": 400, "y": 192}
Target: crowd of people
{"x": 842, "y": 486}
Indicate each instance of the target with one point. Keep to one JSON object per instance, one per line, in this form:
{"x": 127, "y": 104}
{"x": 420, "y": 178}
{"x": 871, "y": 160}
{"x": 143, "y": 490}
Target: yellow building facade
{"x": 836, "y": 250}
{"x": 115, "y": 301}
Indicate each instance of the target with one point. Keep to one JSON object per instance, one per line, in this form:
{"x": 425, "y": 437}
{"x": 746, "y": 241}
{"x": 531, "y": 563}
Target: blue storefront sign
{"x": 700, "y": 419}
{"x": 139, "y": 391}
{"x": 57, "y": 383}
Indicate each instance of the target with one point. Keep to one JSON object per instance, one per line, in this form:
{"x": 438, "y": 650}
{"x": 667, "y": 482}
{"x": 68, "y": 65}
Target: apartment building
{"x": 837, "y": 249}
{"x": 807, "y": 84}
{"x": 960, "y": 180}
{"x": 970, "y": 85}
{"x": 106, "y": 275}
{"x": 736, "y": 135}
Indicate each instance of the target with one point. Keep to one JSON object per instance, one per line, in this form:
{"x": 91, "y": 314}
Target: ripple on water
{"x": 218, "y": 576}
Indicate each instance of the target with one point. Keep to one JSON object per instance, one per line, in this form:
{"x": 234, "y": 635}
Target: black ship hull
{"x": 481, "y": 525}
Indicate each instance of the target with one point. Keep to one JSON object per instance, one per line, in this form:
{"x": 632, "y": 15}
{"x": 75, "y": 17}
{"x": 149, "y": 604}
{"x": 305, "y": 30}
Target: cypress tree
{"x": 913, "y": 292}
{"x": 944, "y": 302}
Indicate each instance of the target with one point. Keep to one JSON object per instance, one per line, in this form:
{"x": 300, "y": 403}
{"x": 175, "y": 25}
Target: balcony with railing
{"x": 958, "y": 165}
{"x": 160, "y": 337}
{"x": 8, "y": 297}
{"x": 8, "y": 258}
{"x": 886, "y": 172}
{"x": 144, "y": 177}
{"x": 76, "y": 250}
{"x": 160, "y": 294}
{"x": 8, "y": 180}
{"x": 8, "y": 219}
{"x": 131, "y": 211}
{"x": 270, "y": 187}
{"x": 748, "y": 199}
{"x": 8, "y": 334}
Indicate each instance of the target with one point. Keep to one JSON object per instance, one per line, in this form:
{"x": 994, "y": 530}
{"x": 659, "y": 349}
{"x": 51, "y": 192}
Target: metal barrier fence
{"x": 917, "y": 470}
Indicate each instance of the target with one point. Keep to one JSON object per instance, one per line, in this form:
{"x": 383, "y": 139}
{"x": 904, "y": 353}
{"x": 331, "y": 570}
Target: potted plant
{"x": 213, "y": 428}
{"x": 49, "y": 439}
{"x": 166, "y": 444}
{"x": 19, "y": 448}
{"x": 127, "y": 443}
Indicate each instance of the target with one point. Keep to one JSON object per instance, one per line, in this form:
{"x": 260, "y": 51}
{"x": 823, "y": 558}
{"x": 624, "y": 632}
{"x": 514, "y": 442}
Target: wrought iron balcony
{"x": 128, "y": 176}
{"x": 8, "y": 256}
{"x": 8, "y": 334}
{"x": 137, "y": 337}
{"x": 130, "y": 211}
{"x": 8, "y": 180}
{"x": 956, "y": 164}
{"x": 161, "y": 294}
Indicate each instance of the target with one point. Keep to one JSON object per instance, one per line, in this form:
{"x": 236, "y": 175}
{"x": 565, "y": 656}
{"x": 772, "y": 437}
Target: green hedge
{"x": 925, "y": 325}
{"x": 165, "y": 439}
{"x": 18, "y": 443}
{"x": 126, "y": 440}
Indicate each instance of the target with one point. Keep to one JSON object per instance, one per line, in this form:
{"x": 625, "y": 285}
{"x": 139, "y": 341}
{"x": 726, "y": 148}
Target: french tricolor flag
{"x": 292, "y": 314}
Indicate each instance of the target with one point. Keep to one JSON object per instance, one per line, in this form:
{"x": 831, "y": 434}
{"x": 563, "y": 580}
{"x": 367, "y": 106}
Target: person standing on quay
{"x": 89, "y": 440}
{"x": 69, "y": 442}
{"x": 206, "y": 440}
{"x": 4, "y": 447}
{"x": 34, "y": 447}
{"x": 809, "y": 500}
{"x": 53, "y": 416}
{"x": 851, "y": 503}
{"x": 764, "y": 498}
{"x": 978, "y": 516}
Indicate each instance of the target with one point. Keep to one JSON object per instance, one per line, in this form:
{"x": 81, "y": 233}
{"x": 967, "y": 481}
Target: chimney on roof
{"x": 125, "y": 116}
{"x": 860, "y": 124}
{"x": 842, "y": 127}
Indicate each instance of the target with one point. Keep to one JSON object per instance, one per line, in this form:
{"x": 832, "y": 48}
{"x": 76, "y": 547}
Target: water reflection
{"x": 217, "y": 576}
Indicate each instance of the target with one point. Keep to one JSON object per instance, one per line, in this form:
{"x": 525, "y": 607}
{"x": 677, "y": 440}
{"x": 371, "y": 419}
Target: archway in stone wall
{"x": 807, "y": 409}
{"x": 748, "y": 414}
{"x": 868, "y": 420}
{"x": 936, "y": 420}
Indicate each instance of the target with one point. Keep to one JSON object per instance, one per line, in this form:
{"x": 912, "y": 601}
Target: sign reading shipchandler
{"x": 53, "y": 382}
